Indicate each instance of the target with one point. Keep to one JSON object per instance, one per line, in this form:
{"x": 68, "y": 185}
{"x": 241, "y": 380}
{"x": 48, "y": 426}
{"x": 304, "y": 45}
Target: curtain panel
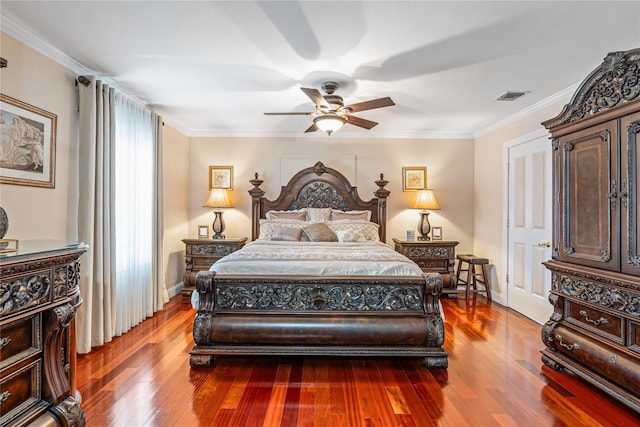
{"x": 119, "y": 214}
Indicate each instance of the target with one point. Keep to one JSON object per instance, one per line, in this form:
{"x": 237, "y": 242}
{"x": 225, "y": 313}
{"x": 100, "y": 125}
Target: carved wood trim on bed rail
{"x": 319, "y": 186}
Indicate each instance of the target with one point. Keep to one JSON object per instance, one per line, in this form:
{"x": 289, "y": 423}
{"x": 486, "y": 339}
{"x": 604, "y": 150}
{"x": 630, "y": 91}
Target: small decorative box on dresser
{"x": 433, "y": 256}
{"x": 39, "y": 296}
{"x": 200, "y": 254}
{"x": 594, "y": 331}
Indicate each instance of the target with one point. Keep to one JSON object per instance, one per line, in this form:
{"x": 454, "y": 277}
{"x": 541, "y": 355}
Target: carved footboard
{"x": 319, "y": 315}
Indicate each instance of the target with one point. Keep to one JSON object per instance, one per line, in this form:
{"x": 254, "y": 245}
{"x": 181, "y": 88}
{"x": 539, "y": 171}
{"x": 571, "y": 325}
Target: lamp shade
{"x": 329, "y": 123}
{"x": 425, "y": 199}
{"x": 218, "y": 199}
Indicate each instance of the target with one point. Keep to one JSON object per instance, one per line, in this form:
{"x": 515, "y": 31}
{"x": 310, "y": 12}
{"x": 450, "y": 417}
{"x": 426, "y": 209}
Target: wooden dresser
{"x": 39, "y": 296}
{"x": 200, "y": 254}
{"x": 433, "y": 256}
{"x": 594, "y": 331}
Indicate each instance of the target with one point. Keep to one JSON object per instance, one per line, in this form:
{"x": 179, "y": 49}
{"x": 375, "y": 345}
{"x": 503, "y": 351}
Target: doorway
{"x": 529, "y": 226}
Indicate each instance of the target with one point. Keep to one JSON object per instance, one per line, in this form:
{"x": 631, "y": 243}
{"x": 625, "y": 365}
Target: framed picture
{"x": 414, "y": 178}
{"x": 221, "y": 177}
{"x": 27, "y": 144}
{"x": 436, "y": 233}
{"x": 203, "y": 232}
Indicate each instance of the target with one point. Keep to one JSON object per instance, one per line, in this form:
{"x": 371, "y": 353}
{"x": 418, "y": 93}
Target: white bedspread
{"x": 315, "y": 258}
{"x": 312, "y": 258}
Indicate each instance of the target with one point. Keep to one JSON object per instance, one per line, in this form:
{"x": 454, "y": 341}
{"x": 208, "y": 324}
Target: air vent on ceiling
{"x": 510, "y": 96}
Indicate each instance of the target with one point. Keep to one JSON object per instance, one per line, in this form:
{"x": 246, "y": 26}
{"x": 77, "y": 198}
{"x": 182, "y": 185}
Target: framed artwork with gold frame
{"x": 414, "y": 178}
{"x": 221, "y": 177}
{"x": 28, "y": 144}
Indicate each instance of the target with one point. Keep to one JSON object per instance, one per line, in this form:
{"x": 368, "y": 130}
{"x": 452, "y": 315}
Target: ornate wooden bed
{"x": 394, "y": 315}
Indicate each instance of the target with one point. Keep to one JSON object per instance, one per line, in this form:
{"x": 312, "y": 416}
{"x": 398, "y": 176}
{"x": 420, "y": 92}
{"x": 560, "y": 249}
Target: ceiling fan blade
{"x": 294, "y": 113}
{"x": 358, "y": 121}
{"x": 311, "y": 128}
{"x": 370, "y": 105}
{"x": 315, "y": 96}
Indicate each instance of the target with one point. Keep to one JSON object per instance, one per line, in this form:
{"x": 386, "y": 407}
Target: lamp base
{"x": 218, "y": 226}
{"x": 423, "y": 226}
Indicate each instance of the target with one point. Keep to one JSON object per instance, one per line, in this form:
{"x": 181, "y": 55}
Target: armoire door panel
{"x": 630, "y": 164}
{"x": 589, "y": 197}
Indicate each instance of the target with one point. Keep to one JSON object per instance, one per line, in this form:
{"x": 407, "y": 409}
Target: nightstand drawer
{"x": 432, "y": 264}
{"x": 201, "y": 254}
{"x": 203, "y": 263}
{"x": 20, "y": 339}
{"x": 432, "y": 256}
{"x": 601, "y": 323}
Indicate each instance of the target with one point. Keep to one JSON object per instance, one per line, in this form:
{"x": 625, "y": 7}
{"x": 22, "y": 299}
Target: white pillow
{"x": 337, "y": 215}
{"x": 366, "y": 228}
{"x": 350, "y": 236}
{"x": 269, "y": 230}
{"x": 318, "y": 214}
{"x": 297, "y": 214}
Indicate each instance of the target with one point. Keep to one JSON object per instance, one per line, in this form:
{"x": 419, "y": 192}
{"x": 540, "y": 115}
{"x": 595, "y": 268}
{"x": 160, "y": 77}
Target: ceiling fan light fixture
{"x": 329, "y": 123}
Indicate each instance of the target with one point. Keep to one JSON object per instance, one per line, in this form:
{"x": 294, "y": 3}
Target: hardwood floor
{"x": 495, "y": 378}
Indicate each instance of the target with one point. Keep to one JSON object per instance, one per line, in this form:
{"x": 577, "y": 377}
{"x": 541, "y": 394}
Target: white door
{"x": 529, "y": 228}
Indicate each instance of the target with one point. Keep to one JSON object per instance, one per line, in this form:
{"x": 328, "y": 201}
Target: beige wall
{"x": 449, "y": 172}
{"x": 489, "y": 189}
{"x": 34, "y": 212}
{"x": 175, "y": 182}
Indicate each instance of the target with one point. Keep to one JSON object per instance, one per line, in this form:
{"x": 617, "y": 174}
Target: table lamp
{"x": 217, "y": 200}
{"x": 425, "y": 199}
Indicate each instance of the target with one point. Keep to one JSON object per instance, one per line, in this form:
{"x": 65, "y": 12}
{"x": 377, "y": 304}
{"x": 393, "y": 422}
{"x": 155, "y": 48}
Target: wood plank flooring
{"x": 495, "y": 378}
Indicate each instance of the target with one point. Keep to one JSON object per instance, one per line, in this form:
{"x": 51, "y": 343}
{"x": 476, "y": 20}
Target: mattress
{"x": 267, "y": 257}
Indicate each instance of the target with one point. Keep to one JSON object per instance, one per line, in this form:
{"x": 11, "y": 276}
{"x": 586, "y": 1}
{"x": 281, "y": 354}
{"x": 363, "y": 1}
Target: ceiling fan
{"x": 331, "y": 113}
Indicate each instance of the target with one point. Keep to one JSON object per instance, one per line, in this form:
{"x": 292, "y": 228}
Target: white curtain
{"x": 120, "y": 214}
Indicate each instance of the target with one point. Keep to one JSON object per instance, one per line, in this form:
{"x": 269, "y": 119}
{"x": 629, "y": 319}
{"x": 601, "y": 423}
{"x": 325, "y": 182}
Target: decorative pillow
{"x": 268, "y": 228}
{"x": 368, "y": 229}
{"x": 319, "y": 232}
{"x": 350, "y": 236}
{"x": 319, "y": 214}
{"x": 351, "y": 215}
{"x": 299, "y": 215}
{"x": 289, "y": 234}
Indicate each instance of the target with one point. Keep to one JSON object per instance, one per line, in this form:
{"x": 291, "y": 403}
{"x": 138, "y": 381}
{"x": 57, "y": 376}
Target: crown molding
{"x": 20, "y": 33}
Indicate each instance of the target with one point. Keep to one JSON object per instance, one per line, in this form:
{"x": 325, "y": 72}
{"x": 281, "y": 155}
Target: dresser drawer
{"x": 606, "y": 325}
{"x": 20, "y": 393}
{"x": 634, "y": 336}
{"x": 20, "y": 339}
{"x": 609, "y": 361}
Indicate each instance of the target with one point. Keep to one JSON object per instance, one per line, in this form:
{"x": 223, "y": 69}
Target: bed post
{"x": 256, "y": 200}
{"x": 381, "y": 193}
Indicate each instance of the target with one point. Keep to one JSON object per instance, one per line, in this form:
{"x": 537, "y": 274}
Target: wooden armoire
{"x": 594, "y": 331}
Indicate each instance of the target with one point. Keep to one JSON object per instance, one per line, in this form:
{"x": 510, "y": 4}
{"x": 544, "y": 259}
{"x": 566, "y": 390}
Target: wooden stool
{"x": 473, "y": 275}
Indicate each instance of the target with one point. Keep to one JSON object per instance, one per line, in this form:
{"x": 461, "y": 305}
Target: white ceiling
{"x": 211, "y": 68}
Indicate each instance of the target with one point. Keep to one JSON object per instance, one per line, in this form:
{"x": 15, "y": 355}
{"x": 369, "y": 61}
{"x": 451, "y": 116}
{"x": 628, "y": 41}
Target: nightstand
{"x": 200, "y": 254}
{"x": 433, "y": 256}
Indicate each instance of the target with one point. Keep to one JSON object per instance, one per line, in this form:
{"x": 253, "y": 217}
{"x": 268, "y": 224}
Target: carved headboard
{"x": 319, "y": 187}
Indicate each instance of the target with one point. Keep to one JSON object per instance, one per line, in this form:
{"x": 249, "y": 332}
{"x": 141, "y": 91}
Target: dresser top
{"x": 33, "y": 249}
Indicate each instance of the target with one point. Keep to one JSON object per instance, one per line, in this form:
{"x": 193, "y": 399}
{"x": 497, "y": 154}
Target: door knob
{"x": 546, "y": 244}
